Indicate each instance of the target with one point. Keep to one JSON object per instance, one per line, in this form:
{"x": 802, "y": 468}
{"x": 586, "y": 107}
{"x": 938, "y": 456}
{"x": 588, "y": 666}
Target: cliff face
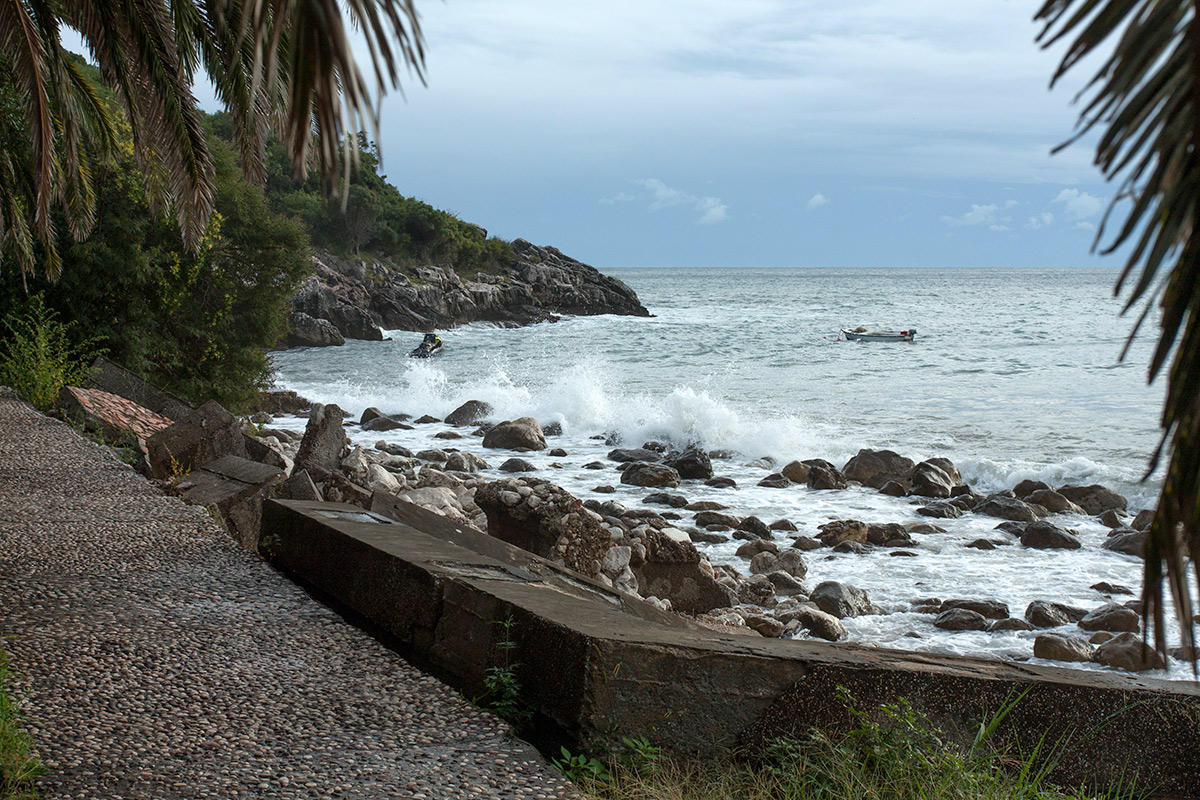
{"x": 354, "y": 298}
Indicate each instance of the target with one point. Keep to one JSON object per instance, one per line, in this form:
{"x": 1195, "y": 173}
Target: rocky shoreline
{"x": 354, "y": 298}
{"x": 652, "y": 553}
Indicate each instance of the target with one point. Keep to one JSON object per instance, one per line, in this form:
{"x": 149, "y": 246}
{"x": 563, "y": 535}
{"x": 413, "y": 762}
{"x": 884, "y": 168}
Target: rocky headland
{"x": 353, "y": 298}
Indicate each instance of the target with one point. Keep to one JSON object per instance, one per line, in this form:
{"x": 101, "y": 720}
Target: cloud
{"x": 1043, "y": 220}
{"x": 1085, "y": 226}
{"x": 621, "y": 197}
{"x": 816, "y": 201}
{"x": 998, "y": 227}
{"x": 981, "y": 215}
{"x": 711, "y": 209}
{"x": 1079, "y": 205}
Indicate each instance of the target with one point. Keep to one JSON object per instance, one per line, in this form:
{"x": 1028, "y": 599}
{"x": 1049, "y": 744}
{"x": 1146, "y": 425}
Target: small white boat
{"x": 864, "y": 335}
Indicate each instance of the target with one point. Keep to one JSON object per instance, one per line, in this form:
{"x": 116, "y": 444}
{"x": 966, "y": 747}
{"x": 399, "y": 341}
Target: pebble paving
{"x": 156, "y": 659}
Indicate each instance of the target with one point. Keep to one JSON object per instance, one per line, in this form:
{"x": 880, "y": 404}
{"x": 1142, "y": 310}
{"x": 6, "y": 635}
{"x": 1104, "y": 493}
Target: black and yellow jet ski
{"x": 431, "y": 345}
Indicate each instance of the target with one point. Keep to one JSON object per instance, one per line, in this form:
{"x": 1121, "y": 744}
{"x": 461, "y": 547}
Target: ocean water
{"x": 1014, "y": 374}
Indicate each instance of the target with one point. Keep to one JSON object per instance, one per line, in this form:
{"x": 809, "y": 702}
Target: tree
{"x": 1143, "y": 101}
{"x": 278, "y": 65}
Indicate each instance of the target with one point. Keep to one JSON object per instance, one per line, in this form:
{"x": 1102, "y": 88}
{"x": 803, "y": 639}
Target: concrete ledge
{"x": 596, "y": 665}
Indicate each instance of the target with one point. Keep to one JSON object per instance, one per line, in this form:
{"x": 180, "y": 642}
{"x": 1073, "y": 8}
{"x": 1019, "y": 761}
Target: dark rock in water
{"x": 665, "y": 499}
{"x": 961, "y": 619}
{"x": 654, "y": 447}
{"x": 1060, "y": 647}
{"x": 370, "y": 414}
{"x": 755, "y": 546}
{"x": 1028, "y": 487}
{"x": 1006, "y": 508}
{"x": 928, "y": 480}
{"x": 893, "y": 489}
{"x": 923, "y": 527}
{"x": 307, "y": 331}
{"x": 900, "y": 553}
{"x": 1111, "y": 617}
{"x": 1105, "y": 587}
{"x": 469, "y": 413}
{"x": 1127, "y": 651}
{"x": 1009, "y": 624}
{"x": 1011, "y": 527}
{"x": 1045, "y": 614}
{"x": 820, "y": 624}
{"x": 427, "y": 419}
{"x": 642, "y": 474}
{"x": 324, "y": 439}
{"x": 851, "y": 547}
{"x": 552, "y": 429}
{"x": 1094, "y": 499}
{"x": 1131, "y": 544}
{"x": 795, "y": 471}
{"x": 785, "y": 584}
{"x": 628, "y": 455}
{"x": 1143, "y": 519}
{"x": 1052, "y": 501}
{"x": 393, "y": 449}
{"x": 709, "y": 537}
{"x": 1111, "y": 519}
{"x": 517, "y": 465}
{"x": 791, "y": 562}
{"x": 992, "y": 609}
{"x": 513, "y": 434}
{"x": 940, "y": 510}
{"x": 595, "y": 465}
{"x": 692, "y": 463}
{"x": 821, "y": 477}
{"x": 706, "y": 505}
{"x": 841, "y": 600}
{"x": 783, "y": 525}
{"x": 706, "y": 518}
{"x": 384, "y": 423}
{"x": 1045, "y": 536}
{"x": 881, "y": 533}
{"x": 557, "y": 452}
{"x": 806, "y": 543}
{"x": 465, "y": 462}
{"x": 721, "y": 483}
{"x": 755, "y": 527}
{"x": 606, "y": 489}
{"x": 843, "y": 530}
{"x": 947, "y": 466}
{"x": 875, "y": 468}
{"x": 775, "y": 481}
{"x": 981, "y": 544}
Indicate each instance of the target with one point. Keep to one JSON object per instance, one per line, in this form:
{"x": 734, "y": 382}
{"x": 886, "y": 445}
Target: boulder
{"x": 775, "y": 480}
{"x": 755, "y": 527}
{"x": 640, "y": 473}
{"x": 961, "y": 619}
{"x": 666, "y": 499}
{"x": 535, "y": 515}
{"x": 756, "y": 546}
{"x": 1143, "y": 519}
{"x": 692, "y": 463}
{"x": 384, "y": 423}
{"x": 1131, "y": 544}
{"x": 992, "y": 609}
{"x": 928, "y": 480}
{"x": 875, "y": 468}
{"x": 880, "y": 533}
{"x": 1060, "y": 647}
{"x": 379, "y": 479}
{"x": 940, "y": 509}
{"x": 1112, "y": 617}
{"x": 783, "y": 525}
{"x": 1045, "y": 614}
{"x": 706, "y": 518}
{"x": 469, "y": 413}
{"x": 1045, "y": 536}
{"x": 629, "y": 455}
{"x": 324, "y": 439}
{"x": 821, "y": 476}
{"x": 1009, "y": 624}
{"x": 946, "y": 466}
{"x": 523, "y": 432}
{"x": 516, "y": 465}
{"x": 1104, "y": 587}
{"x": 197, "y": 438}
{"x": 671, "y": 569}
{"x": 465, "y": 462}
{"x": 791, "y": 562}
{"x": 843, "y": 530}
{"x": 785, "y": 584}
{"x": 841, "y": 600}
{"x": 795, "y": 471}
{"x": 1028, "y": 487}
{"x": 763, "y": 563}
{"x": 308, "y": 331}
{"x": 764, "y": 625}
{"x": 1111, "y": 519}
{"x": 1006, "y": 508}
{"x": 1127, "y": 651}
{"x": 1094, "y": 499}
{"x": 1052, "y": 501}
{"x": 820, "y": 624}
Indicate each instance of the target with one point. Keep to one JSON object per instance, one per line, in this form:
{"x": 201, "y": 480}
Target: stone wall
{"x": 596, "y": 665}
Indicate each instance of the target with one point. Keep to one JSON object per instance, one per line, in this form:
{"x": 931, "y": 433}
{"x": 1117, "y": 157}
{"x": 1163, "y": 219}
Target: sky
{"x": 760, "y": 133}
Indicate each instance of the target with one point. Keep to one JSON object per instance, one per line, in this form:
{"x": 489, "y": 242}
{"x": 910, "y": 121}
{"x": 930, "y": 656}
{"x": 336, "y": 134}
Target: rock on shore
{"x": 354, "y": 298}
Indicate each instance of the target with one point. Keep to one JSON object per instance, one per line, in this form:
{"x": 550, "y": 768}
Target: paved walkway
{"x": 159, "y": 660}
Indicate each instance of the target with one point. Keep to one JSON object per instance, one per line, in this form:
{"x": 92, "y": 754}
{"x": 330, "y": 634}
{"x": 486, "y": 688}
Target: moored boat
{"x": 861, "y": 334}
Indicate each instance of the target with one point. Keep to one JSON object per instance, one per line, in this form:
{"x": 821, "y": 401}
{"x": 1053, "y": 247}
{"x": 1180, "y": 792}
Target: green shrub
{"x": 18, "y": 766}
{"x": 38, "y": 357}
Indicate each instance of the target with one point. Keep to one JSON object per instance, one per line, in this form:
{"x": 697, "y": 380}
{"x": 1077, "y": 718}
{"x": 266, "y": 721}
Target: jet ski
{"x": 431, "y": 345}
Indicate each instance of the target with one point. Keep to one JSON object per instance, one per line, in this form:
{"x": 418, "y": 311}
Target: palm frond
{"x": 1144, "y": 99}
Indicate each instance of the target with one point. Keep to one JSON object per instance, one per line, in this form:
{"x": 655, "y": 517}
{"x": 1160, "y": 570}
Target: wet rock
{"x": 1052, "y": 501}
{"x": 465, "y": 462}
{"x": 756, "y": 546}
{"x": 665, "y": 499}
{"x": 876, "y": 468}
{"x": 762, "y": 563}
{"x": 775, "y": 481}
{"x": 628, "y": 455}
{"x": 887, "y": 533}
{"x": 1094, "y": 499}
{"x": 843, "y": 530}
{"x": 820, "y": 624}
{"x": 1009, "y": 624}
{"x": 854, "y": 548}
{"x": 1006, "y": 508}
{"x": 947, "y": 466}
{"x": 940, "y": 510}
{"x": 708, "y": 537}
{"x": 795, "y": 471}
{"x": 785, "y": 584}
{"x": 755, "y": 527}
{"x": 961, "y": 619}
{"x": 1111, "y": 519}
{"x": 692, "y": 463}
{"x": 324, "y": 439}
{"x": 928, "y": 480}
{"x": 706, "y": 505}
{"x": 517, "y": 465}
{"x": 1045, "y": 536}
{"x": 805, "y": 543}
{"x": 1131, "y": 544}
{"x": 1143, "y": 519}
{"x": 469, "y": 413}
{"x": 825, "y": 476}
{"x": 393, "y": 449}
{"x": 1111, "y": 617}
{"x": 791, "y": 562}
{"x": 981, "y": 544}
{"x": 1104, "y": 587}
{"x": 992, "y": 609}
{"x": 721, "y": 483}
{"x": 840, "y": 599}
{"x": 1028, "y": 487}
{"x": 384, "y": 423}
{"x": 1127, "y": 651}
{"x": 1045, "y": 614}
{"x": 513, "y": 434}
{"x": 893, "y": 489}
{"x": 552, "y": 429}
{"x": 427, "y": 419}
{"x": 783, "y": 525}
{"x": 640, "y": 473}
{"x": 1060, "y": 647}
{"x": 706, "y": 518}
{"x": 923, "y": 527}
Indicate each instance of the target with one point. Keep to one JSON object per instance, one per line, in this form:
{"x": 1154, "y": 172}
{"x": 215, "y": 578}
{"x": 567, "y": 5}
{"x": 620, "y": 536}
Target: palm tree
{"x": 280, "y": 66}
{"x": 1143, "y": 102}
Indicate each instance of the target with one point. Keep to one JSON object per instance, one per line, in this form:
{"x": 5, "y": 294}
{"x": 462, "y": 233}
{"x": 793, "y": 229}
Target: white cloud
{"x": 663, "y": 196}
{"x": 1043, "y": 220}
{"x": 998, "y": 227}
{"x": 816, "y": 201}
{"x": 620, "y": 197}
{"x": 1085, "y": 226}
{"x": 978, "y": 215}
{"x": 1079, "y": 205}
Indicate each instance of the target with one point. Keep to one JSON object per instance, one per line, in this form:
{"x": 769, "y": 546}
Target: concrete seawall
{"x": 595, "y": 665}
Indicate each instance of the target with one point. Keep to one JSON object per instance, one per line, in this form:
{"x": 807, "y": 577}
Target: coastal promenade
{"x": 156, "y": 659}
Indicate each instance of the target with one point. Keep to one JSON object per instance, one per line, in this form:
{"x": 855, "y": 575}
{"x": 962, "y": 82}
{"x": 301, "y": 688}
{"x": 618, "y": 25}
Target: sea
{"x": 1013, "y": 374}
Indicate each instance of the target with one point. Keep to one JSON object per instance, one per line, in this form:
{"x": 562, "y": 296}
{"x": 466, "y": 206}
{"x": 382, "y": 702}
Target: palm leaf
{"x": 1143, "y": 98}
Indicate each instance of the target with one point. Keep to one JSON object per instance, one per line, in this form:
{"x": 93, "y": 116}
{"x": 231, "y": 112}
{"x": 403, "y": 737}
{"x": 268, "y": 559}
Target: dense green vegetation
{"x": 18, "y": 765}
{"x": 896, "y": 754}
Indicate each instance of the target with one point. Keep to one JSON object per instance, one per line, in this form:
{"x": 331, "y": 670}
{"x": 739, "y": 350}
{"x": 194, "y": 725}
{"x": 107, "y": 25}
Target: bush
{"x": 39, "y": 358}
{"x": 18, "y": 766}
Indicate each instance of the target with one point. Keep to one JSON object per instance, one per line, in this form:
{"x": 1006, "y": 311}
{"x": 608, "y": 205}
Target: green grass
{"x": 18, "y": 765}
{"x": 896, "y": 754}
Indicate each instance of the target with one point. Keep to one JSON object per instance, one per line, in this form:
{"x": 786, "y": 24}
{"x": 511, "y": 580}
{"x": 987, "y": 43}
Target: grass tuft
{"x": 18, "y": 766}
